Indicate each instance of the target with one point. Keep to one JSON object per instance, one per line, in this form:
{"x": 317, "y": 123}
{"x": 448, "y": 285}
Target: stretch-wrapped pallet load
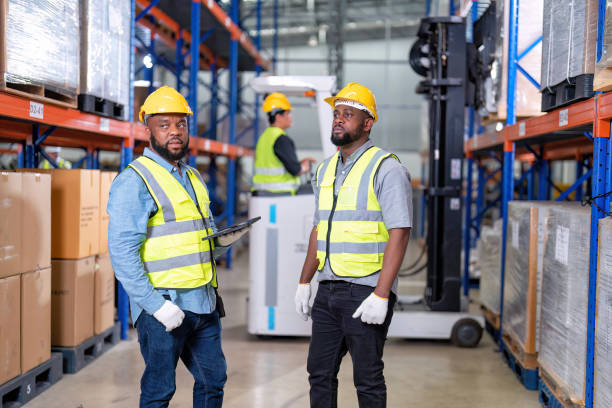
{"x": 527, "y": 97}
{"x": 523, "y": 277}
{"x": 41, "y": 45}
{"x": 603, "y": 67}
{"x": 562, "y": 354}
{"x": 489, "y": 255}
{"x": 603, "y": 336}
{"x": 569, "y": 41}
{"x": 105, "y": 51}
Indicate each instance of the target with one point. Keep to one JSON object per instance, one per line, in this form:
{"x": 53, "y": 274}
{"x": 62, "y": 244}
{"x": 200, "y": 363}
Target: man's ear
{"x": 367, "y": 124}
{"x": 147, "y": 132}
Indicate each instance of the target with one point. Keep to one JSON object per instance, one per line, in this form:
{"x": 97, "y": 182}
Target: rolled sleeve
{"x": 394, "y": 192}
{"x": 129, "y": 208}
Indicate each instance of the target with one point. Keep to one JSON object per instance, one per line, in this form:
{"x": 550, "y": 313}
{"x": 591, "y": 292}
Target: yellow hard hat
{"x": 362, "y": 97}
{"x": 276, "y": 100}
{"x": 164, "y": 100}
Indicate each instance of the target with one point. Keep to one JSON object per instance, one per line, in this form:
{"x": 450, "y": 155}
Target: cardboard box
{"x": 10, "y": 223}
{"x": 106, "y": 179}
{"x": 10, "y": 359}
{"x": 36, "y": 221}
{"x": 104, "y": 294}
{"x": 72, "y": 308}
{"x": 35, "y": 318}
{"x": 75, "y": 212}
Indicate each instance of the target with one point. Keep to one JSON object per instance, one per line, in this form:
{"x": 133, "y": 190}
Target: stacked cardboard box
{"x": 489, "y": 254}
{"x": 25, "y": 274}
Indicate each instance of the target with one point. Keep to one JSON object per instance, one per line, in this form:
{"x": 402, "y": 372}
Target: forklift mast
{"x": 439, "y": 55}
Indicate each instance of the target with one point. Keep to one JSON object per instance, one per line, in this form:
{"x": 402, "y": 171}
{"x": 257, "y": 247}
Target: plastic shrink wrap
{"x": 42, "y": 44}
{"x": 489, "y": 254}
{"x": 562, "y": 352}
{"x": 603, "y": 71}
{"x": 569, "y": 40}
{"x": 527, "y": 96}
{"x": 523, "y": 277}
{"x": 105, "y": 43}
{"x": 603, "y": 339}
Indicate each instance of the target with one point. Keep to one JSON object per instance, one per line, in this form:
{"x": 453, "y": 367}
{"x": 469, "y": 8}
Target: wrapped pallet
{"x": 523, "y": 276}
{"x": 568, "y": 41}
{"x": 489, "y": 255}
{"x": 527, "y": 96}
{"x": 41, "y": 46}
{"x": 603, "y": 336}
{"x": 105, "y": 52}
{"x": 603, "y": 67}
{"x": 562, "y": 353}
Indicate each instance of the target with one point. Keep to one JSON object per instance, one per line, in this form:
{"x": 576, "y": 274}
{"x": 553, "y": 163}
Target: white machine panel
{"x": 278, "y": 245}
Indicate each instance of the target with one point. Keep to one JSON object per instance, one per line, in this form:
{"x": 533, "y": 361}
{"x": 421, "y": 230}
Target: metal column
{"x": 194, "y": 66}
{"x": 257, "y": 73}
{"x": 508, "y": 166}
{"x": 231, "y": 165}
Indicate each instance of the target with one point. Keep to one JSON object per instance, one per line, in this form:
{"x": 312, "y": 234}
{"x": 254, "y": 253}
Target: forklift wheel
{"x": 466, "y": 333}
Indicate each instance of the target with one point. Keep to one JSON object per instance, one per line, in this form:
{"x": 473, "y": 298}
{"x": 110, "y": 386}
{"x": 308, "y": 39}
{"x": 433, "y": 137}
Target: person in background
{"x": 276, "y": 164}
{"x": 54, "y": 153}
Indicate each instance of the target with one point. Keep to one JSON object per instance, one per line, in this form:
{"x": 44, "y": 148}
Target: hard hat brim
{"x": 331, "y": 100}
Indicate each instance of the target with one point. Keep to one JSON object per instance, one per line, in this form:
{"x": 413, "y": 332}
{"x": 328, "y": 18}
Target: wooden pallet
{"x": 603, "y": 80}
{"x": 75, "y": 358}
{"x": 27, "y": 386}
{"x": 491, "y": 322}
{"x": 524, "y": 365}
{"x": 553, "y": 395}
{"x": 38, "y": 92}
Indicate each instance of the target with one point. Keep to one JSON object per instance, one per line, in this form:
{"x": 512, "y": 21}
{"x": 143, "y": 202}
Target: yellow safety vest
{"x": 351, "y": 233}
{"x": 63, "y": 164}
{"x": 270, "y": 173}
{"x": 174, "y": 253}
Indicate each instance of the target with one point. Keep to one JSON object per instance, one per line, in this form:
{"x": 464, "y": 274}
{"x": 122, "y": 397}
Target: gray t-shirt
{"x": 394, "y": 193}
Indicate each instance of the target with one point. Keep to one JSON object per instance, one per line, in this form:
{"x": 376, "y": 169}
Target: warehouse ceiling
{"x": 305, "y": 22}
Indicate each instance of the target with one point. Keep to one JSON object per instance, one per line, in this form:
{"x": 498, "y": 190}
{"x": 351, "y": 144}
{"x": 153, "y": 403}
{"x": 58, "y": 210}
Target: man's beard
{"x": 163, "y": 151}
{"x": 347, "y": 137}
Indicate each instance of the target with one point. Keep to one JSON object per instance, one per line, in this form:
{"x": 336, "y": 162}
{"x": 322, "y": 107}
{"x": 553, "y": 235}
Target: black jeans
{"x": 334, "y": 332}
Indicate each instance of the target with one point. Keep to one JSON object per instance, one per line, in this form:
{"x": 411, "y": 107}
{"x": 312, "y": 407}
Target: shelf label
{"x": 37, "y": 110}
{"x": 515, "y": 233}
{"x": 562, "y": 245}
{"x": 207, "y": 145}
{"x": 455, "y": 169}
{"x": 521, "y": 128}
{"x": 104, "y": 125}
{"x": 225, "y": 148}
{"x": 563, "y": 117}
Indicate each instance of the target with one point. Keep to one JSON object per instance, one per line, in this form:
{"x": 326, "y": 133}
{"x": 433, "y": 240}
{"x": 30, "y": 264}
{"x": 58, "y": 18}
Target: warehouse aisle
{"x": 272, "y": 372}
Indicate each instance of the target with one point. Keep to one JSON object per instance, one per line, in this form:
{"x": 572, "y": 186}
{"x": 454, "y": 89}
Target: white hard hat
{"x": 53, "y": 149}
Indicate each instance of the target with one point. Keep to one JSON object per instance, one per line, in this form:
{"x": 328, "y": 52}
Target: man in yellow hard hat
{"x": 276, "y": 164}
{"x": 159, "y": 221}
{"x": 361, "y": 229}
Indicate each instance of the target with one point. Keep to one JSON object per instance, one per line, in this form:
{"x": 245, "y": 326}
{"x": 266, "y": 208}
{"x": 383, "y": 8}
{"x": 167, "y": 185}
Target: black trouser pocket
{"x": 219, "y": 305}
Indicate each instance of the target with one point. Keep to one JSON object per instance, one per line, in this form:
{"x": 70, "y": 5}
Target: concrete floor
{"x": 272, "y": 372}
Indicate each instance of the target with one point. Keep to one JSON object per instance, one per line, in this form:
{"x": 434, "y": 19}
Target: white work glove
{"x": 372, "y": 310}
{"x": 302, "y": 300}
{"x": 229, "y": 239}
{"x": 170, "y": 315}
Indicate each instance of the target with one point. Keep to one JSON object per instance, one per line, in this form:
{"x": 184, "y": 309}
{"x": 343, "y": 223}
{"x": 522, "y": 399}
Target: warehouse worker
{"x": 54, "y": 152}
{"x": 361, "y": 229}
{"x": 159, "y": 215}
{"x": 276, "y": 165}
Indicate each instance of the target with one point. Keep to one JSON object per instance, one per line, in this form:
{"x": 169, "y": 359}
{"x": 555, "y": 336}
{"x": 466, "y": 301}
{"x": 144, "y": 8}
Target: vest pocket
{"x": 360, "y": 242}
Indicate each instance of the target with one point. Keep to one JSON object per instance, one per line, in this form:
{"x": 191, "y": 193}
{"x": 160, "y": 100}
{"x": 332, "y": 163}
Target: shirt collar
{"x": 159, "y": 160}
{"x": 355, "y": 155}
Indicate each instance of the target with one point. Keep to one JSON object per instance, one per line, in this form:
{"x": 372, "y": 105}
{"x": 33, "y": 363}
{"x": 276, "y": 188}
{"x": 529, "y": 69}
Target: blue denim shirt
{"x": 130, "y": 205}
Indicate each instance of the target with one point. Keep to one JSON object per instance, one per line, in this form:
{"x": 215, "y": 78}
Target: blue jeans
{"x": 334, "y": 332}
{"x": 198, "y": 343}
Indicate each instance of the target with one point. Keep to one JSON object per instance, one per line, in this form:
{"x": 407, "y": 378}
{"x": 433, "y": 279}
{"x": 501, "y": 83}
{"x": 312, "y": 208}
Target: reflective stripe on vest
{"x": 174, "y": 254}
{"x": 270, "y": 173}
{"x": 351, "y": 233}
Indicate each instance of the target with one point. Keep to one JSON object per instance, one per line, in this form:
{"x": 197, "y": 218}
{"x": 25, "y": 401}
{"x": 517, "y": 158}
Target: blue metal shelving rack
{"x": 591, "y": 112}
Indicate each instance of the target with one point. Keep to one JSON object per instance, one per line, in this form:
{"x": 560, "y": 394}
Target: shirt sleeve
{"x": 315, "y": 190}
{"x": 285, "y": 151}
{"x": 394, "y": 192}
{"x": 129, "y": 207}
